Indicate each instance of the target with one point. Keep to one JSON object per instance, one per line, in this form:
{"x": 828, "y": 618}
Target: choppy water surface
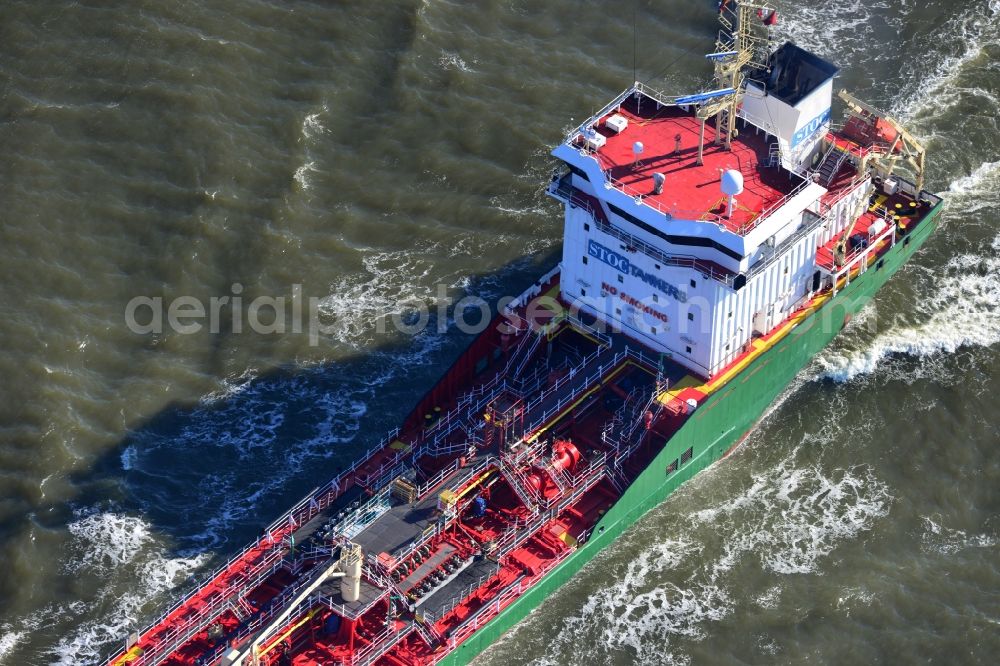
{"x": 370, "y": 151}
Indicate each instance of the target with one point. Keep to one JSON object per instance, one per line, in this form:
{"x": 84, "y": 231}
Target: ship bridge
{"x": 640, "y": 137}
{"x": 694, "y": 231}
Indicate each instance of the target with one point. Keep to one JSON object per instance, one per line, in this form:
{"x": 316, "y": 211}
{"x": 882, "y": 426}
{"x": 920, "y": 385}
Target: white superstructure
{"x": 688, "y": 246}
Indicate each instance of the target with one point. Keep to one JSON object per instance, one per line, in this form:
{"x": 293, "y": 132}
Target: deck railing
{"x": 308, "y": 507}
{"x": 567, "y": 192}
{"x": 510, "y": 310}
{"x": 860, "y": 258}
{"x": 381, "y": 644}
{"x": 493, "y": 607}
{"x": 747, "y": 227}
{"x": 519, "y": 484}
{"x": 560, "y": 385}
{"x": 459, "y": 597}
{"x": 600, "y": 335}
{"x": 321, "y": 498}
{"x": 527, "y": 353}
{"x": 646, "y": 198}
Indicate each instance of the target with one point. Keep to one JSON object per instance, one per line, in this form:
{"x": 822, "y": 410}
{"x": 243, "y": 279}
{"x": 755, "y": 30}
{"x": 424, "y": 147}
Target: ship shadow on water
{"x": 209, "y": 476}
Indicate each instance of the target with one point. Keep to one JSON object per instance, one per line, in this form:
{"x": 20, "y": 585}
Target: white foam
{"x": 638, "y": 613}
{"x": 248, "y": 427}
{"x": 844, "y": 32}
{"x": 971, "y": 32}
{"x": 129, "y": 457}
{"x": 947, "y": 541}
{"x": 92, "y": 639}
{"x": 449, "y": 60}
{"x": 8, "y": 641}
{"x": 854, "y": 597}
{"x": 770, "y": 598}
{"x": 365, "y": 304}
{"x": 793, "y": 515}
{"x": 982, "y": 181}
{"x": 312, "y": 125}
{"x": 120, "y": 553}
{"x": 962, "y": 311}
{"x": 108, "y": 540}
{"x": 824, "y": 28}
{"x": 302, "y": 174}
{"x": 231, "y": 386}
{"x": 156, "y": 575}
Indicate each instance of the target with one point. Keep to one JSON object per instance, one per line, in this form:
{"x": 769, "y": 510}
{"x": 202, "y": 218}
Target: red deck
{"x": 824, "y": 254}
{"x": 579, "y": 387}
{"x": 692, "y": 191}
{"x": 897, "y": 210}
{"x": 538, "y": 506}
{"x": 537, "y": 510}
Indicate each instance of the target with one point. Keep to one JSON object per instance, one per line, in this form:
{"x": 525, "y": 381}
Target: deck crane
{"x": 883, "y": 142}
{"x": 889, "y": 141}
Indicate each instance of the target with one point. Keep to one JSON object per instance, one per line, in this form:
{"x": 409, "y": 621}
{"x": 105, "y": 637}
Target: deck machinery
{"x": 713, "y": 243}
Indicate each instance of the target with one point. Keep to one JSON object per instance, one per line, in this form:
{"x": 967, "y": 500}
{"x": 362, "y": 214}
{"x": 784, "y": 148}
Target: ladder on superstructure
{"x": 743, "y": 42}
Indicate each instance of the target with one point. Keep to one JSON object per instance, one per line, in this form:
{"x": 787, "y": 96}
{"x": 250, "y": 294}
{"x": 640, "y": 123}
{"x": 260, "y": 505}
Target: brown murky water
{"x": 370, "y": 151}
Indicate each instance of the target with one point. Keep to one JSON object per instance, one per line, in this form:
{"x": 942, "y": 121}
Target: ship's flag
{"x": 768, "y": 17}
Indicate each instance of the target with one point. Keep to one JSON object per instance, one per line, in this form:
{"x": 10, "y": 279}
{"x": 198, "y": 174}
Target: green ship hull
{"x": 717, "y": 427}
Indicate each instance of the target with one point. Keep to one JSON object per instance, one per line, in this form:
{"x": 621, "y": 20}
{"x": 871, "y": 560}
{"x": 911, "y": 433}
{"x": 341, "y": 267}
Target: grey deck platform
{"x": 470, "y": 576}
{"x": 369, "y": 594}
{"x": 398, "y": 526}
{"x": 429, "y": 565}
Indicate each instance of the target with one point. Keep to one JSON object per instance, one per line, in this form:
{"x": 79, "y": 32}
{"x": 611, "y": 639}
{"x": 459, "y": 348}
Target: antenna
{"x": 635, "y": 39}
{"x": 744, "y": 41}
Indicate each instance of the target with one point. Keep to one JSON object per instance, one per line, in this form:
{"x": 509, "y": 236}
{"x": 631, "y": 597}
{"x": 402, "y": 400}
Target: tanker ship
{"x": 714, "y": 242}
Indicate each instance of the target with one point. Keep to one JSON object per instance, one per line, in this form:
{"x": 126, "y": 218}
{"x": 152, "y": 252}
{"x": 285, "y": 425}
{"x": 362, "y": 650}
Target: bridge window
{"x": 585, "y": 260}
{"x": 693, "y": 284}
{"x": 586, "y": 226}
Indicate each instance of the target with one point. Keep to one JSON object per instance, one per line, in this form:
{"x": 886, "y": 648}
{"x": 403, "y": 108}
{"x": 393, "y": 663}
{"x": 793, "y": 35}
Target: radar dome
{"x": 732, "y": 182}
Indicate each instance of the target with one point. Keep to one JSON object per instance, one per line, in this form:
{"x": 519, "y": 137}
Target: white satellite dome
{"x": 732, "y": 182}
{"x": 637, "y": 149}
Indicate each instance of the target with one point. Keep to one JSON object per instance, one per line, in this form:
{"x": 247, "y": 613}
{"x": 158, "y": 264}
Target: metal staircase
{"x": 561, "y": 479}
{"x": 625, "y": 433}
{"x": 429, "y": 634}
{"x": 382, "y": 645}
{"x": 518, "y": 483}
{"x": 241, "y": 608}
{"x": 524, "y": 353}
{"x": 774, "y": 154}
{"x": 831, "y": 165}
